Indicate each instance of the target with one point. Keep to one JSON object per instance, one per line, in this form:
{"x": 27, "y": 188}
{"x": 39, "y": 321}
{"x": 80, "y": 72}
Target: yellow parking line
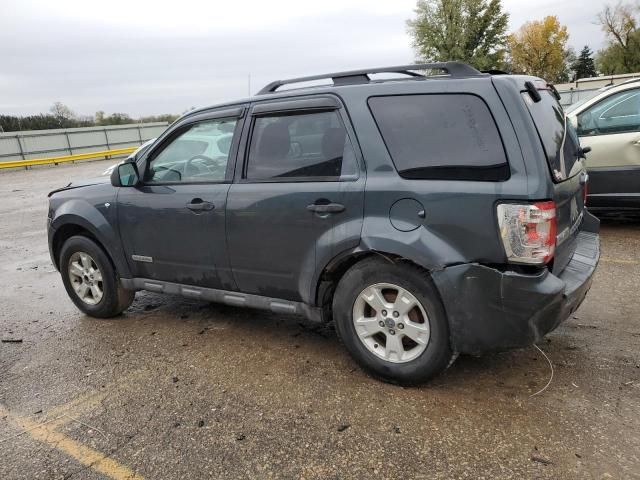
{"x": 46, "y": 433}
{"x": 93, "y": 398}
{"x": 83, "y": 402}
{"x": 619, "y": 260}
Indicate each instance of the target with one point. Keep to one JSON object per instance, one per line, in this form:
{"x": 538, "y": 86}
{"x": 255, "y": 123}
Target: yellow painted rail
{"x": 67, "y": 158}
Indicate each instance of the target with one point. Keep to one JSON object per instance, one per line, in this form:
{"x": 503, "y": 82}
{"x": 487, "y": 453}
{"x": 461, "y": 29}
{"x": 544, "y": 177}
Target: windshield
{"x": 587, "y": 96}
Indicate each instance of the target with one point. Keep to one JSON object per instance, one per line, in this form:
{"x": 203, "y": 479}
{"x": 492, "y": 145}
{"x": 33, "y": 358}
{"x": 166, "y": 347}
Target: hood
{"x": 82, "y": 183}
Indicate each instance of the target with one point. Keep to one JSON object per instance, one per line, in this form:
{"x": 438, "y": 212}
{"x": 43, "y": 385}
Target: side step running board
{"x": 235, "y": 299}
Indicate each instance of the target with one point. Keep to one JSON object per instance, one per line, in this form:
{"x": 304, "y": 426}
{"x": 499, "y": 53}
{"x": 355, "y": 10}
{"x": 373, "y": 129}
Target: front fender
{"x": 99, "y": 220}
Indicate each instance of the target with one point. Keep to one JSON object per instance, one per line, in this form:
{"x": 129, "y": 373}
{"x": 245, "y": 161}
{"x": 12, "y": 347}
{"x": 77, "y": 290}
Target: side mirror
{"x": 583, "y": 152}
{"x": 125, "y": 175}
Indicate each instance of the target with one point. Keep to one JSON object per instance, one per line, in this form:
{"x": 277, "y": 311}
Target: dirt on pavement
{"x": 178, "y": 388}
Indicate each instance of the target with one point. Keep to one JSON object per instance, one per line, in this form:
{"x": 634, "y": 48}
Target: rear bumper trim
{"x": 489, "y": 309}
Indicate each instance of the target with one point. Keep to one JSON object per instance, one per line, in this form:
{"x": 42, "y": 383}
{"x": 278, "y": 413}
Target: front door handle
{"x": 199, "y": 205}
{"x": 326, "y": 207}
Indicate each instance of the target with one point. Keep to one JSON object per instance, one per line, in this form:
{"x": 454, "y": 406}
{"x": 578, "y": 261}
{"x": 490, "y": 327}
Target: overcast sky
{"x": 146, "y": 57}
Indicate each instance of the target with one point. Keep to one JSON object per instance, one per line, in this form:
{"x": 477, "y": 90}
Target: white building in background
{"x": 587, "y": 87}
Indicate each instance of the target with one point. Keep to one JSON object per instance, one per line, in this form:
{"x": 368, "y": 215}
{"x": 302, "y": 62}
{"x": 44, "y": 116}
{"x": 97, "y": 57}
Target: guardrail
{"x": 569, "y": 97}
{"x": 35, "y": 144}
{"x": 68, "y": 158}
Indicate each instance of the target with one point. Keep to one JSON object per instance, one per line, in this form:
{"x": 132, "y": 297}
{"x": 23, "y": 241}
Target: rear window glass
{"x": 446, "y": 137}
{"x": 302, "y": 146}
{"x": 559, "y": 138}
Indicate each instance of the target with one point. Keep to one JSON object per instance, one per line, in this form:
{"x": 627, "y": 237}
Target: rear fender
{"x": 420, "y": 247}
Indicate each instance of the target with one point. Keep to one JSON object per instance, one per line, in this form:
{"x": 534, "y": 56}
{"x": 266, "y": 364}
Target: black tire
{"x": 434, "y": 359}
{"x": 115, "y": 299}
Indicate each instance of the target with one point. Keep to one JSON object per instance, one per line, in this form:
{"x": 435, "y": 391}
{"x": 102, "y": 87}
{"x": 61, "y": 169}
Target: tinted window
{"x": 558, "y": 137}
{"x": 300, "y": 146}
{"x": 441, "y": 137}
{"x": 198, "y": 154}
{"x": 615, "y": 114}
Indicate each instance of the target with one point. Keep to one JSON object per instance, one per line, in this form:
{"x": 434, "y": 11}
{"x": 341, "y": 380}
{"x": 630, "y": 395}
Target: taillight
{"x": 585, "y": 192}
{"x": 528, "y": 231}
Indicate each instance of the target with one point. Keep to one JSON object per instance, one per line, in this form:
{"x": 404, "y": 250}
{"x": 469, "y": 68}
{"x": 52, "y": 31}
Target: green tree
{"x": 540, "y": 48}
{"x": 62, "y": 116}
{"x": 621, "y": 25}
{"x": 471, "y": 31}
{"x": 584, "y": 66}
{"x": 118, "y": 119}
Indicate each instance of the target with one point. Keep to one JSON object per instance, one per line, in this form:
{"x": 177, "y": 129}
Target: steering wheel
{"x": 188, "y": 166}
{"x": 216, "y": 165}
{"x": 162, "y": 168}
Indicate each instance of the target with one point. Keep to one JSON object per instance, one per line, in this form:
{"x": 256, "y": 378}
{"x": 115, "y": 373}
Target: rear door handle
{"x": 199, "y": 205}
{"x": 326, "y": 207}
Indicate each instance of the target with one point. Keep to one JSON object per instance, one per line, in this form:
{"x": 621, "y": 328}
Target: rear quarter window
{"x": 441, "y": 137}
{"x": 559, "y": 138}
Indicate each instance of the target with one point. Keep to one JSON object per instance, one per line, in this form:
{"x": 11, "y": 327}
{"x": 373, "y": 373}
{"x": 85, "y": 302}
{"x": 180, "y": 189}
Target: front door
{"x": 297, "y": 201}
{"x": 173, "y": 224}
{"x": 611, "y": 128}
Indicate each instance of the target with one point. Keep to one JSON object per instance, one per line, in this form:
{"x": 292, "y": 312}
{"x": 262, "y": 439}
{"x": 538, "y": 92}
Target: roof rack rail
{"x": 353, "y": 77}
{"x": 632, "y": 80}
{"x": 496, "y": 72}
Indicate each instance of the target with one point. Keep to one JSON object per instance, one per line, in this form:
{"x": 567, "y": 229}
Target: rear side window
{"x": 442, "y": 136}
{"x": 300, "y": 147}
{"x": 559, "y": 138}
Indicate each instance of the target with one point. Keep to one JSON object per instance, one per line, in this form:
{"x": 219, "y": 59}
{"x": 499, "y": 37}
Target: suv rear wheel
{"x": 391, "y": 320}
{"x": 90, "y": 279}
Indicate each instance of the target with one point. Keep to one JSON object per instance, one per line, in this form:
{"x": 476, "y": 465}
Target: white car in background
{"x": 609, "y": 123}
{"x": 141, "y": 148}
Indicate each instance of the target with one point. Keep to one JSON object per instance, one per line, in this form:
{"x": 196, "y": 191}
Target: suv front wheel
{"x": 391, "y": 320}
{"x": 90, "y": 279}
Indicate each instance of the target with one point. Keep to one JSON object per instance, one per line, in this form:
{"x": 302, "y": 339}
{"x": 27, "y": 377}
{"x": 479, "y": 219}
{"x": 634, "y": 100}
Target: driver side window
{"x": 200, "y": 153}
{"x": 618, "y": 113}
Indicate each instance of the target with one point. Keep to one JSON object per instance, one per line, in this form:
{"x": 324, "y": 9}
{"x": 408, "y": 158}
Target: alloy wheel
{"x": 391, "y": 322}
{"x": 85, "y": 278}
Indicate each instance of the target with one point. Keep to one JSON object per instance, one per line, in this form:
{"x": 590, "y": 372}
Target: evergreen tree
{"x": 584, "y": 66}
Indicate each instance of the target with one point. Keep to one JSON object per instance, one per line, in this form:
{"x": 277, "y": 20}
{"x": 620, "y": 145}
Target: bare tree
{"x": 62, "y": 113}
{"x": 621, "y": 27}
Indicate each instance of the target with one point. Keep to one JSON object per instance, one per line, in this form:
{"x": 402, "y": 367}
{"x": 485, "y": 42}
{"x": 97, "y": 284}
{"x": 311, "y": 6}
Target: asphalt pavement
{"x": 178, "y": 388}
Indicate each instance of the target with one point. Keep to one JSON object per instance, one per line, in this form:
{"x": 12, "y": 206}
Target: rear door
{"x": 297, "y": 199}
{"x": 611, "y": 127}
{"x": 562, "y": 149}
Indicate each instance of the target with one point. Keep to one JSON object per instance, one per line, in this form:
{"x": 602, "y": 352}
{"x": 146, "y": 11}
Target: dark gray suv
{"x": 426, "y": 215}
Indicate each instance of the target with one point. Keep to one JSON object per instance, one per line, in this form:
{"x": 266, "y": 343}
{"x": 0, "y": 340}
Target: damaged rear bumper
{"x": 489, "y": 309}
